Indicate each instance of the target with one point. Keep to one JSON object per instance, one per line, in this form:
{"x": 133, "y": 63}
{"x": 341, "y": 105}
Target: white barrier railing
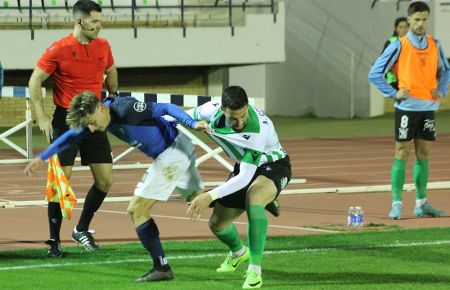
{"x": 181, "y": 100}
{"x": 177, "y": 99}
{"x": 19, "y": 92}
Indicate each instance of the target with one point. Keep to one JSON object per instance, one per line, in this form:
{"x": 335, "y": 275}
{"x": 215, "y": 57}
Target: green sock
{"x": 421, "y": 178}
{"x": 257, "y": 232}
{"x": 398, "y": 179}
{"x": 230, "y": 237}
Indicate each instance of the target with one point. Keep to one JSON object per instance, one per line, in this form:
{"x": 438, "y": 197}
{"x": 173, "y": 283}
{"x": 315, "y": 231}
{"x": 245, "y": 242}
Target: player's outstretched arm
{"x": 61, "y": 143}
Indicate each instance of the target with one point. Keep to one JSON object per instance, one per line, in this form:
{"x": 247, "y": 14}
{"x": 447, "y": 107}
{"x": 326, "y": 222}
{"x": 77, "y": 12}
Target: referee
{"x": 77, "y": 62}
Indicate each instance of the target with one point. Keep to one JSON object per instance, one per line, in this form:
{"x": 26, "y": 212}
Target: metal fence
{"x": 56, "y": 14}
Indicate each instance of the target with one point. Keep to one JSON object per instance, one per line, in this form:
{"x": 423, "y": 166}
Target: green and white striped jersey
{"x": 256, "y": 144}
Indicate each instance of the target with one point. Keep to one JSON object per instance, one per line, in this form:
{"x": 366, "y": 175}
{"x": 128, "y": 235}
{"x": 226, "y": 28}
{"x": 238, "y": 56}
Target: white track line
{"x": 364, "y": 189}
{"x": 347, "y": 189}
{"x": 189, "y": 257}
{"x": 239, "y": 223}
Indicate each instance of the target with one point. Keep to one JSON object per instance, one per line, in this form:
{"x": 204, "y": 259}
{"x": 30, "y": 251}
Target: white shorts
{"x": 174, "y": 167}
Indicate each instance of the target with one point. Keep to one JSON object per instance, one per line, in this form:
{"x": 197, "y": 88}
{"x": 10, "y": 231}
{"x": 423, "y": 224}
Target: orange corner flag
{"x": 58, "y": 187}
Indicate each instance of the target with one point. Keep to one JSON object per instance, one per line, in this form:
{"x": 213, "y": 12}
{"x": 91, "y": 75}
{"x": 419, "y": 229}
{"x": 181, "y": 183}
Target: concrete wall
{"x": 319, "y": 76}
{"x": 253, "y": 79}
{"x": 442, "y": 23}
{"x": 260, "y": 40}
{"x": 328, "y": 47}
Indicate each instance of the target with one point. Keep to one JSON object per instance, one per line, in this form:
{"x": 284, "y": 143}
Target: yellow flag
{"x": 58, "y": 187}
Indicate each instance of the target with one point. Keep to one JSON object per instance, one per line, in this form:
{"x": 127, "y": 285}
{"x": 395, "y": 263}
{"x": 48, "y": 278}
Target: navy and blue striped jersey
{"x": 139, "y": 124}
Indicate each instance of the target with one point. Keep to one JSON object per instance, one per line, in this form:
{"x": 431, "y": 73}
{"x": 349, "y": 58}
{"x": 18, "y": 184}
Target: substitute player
{"x": 261, "y": 171}
{"x": 140, "y": 124}
{"x": 419, "y": 64}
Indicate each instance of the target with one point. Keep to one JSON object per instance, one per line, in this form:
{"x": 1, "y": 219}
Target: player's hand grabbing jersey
{"x": 255, "y": 145}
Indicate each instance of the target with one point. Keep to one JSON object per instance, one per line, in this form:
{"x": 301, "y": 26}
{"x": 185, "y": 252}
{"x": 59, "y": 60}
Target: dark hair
{"x": 418, "y": 6}
{"x": 85, "y": 7}
{"x": 234, "y": 98}
{"x": 397, "y": 22}
{"x": 81, "y": 105}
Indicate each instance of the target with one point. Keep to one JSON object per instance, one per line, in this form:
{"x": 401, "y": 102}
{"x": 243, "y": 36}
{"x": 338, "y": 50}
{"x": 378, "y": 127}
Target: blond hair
{"x": 81, "y": 105}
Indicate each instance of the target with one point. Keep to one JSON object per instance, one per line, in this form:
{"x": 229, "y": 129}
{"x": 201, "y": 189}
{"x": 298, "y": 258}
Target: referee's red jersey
{"x": 76, "y": 67}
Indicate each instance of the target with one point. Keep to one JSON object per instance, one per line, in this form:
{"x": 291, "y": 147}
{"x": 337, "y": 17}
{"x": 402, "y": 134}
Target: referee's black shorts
{"x": 279, "y": 172}
{"x": 93, "y": 147}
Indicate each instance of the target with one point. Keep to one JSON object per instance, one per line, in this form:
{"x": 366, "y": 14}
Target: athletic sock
{"x": 421, "y": 171}
{"x": 398, "y": 179}
{"x": 255, "y": 268}
{"x": 420, "y": 202}
{"x": 239, "y": 253}
{"x": 54, "y": 220}
{"x": 92, "y": 203}
{"x": 148, "y": 234}
{"x": 230, "y": 237}
{"x": 257, "y": 232}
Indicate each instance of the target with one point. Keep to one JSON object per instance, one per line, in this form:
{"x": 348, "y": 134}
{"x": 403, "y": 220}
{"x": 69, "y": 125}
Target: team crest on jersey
{"x": 139, "y": 106}
{"x": 101, "y": 63}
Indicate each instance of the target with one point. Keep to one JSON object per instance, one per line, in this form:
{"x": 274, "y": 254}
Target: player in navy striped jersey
{"x": 140, "y": 124}
{"x": 261, "y": 171}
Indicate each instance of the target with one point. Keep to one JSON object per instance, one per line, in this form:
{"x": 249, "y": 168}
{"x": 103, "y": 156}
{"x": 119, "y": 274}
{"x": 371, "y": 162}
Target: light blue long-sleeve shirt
{"x": 389, "y": 57}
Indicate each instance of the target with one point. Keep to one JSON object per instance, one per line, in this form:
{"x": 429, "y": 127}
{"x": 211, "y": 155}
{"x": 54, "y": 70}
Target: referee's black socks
{"x": 54, "y": 220}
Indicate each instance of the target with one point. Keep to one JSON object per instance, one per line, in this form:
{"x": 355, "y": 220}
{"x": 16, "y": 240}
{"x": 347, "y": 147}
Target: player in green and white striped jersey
{"x": 261, "y": 171}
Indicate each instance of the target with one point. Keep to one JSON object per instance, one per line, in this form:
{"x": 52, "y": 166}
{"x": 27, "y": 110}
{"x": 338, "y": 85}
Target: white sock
{"x": 397, "y": 202}
{"x": 239, "y": 253}
{"x": 255, "y": 268}
{"x": 420, "y": 202}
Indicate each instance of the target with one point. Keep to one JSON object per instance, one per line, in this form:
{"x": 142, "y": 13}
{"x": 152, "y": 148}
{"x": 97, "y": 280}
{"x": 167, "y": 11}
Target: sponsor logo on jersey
{"x": 139, "y": 106}
{"x": 429, "y": 125}
{"x": 402, "y": 133}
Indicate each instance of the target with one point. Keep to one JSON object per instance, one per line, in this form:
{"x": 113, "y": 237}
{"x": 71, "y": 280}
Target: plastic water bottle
{"x": 351, "y": 217}
{"x": 359, "y": 217}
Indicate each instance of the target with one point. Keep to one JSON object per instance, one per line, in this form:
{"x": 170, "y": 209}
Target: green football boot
{"x": 252, "y": 280}
{"x": 230, "y": 264}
